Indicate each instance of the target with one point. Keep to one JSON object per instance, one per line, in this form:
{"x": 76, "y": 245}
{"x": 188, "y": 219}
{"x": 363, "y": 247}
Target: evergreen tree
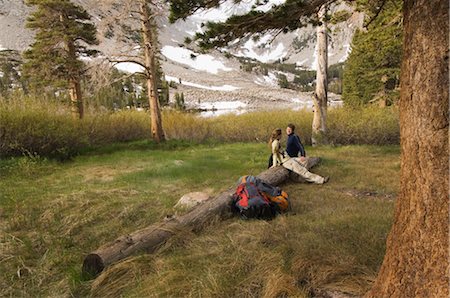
{"x": 10, "y": 78}
{"x": 373, "y": 67}
{"x": 62, "y": 32}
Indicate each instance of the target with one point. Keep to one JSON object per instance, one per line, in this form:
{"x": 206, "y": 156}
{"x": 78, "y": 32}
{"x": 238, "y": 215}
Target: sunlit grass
{"x": 52, "y": 214}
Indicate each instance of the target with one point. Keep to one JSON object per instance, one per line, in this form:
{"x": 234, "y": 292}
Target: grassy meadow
{"x": 53, "y": 213}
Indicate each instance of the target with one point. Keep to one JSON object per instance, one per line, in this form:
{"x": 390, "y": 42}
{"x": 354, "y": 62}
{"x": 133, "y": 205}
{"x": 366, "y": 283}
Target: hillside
{"x": 211, "y": 77}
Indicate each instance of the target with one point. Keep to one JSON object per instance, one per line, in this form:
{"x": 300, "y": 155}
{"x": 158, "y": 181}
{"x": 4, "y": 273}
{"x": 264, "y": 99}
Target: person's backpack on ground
{"x": 255, "y": 198}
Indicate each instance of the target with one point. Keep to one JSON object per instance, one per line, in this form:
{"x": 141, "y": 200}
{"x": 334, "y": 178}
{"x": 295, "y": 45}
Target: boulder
{"x": 192, "y": 199}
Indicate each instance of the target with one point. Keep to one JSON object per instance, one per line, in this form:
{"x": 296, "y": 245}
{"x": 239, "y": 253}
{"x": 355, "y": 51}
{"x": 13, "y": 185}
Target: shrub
{"x": 46, "y": 129}
{"x": 179, "y": 101}
{"x": 30, "y": 127}
{"x": 371, "y": 125}
{"x": 282, "y": 81}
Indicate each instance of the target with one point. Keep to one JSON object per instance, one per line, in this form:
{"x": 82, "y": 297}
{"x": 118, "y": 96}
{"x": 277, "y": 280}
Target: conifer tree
{"x": 373, "y": 66}
{"x": 150, "y": 40}
{"x": 63, "y": 32}
{"x": 10, "y": 78}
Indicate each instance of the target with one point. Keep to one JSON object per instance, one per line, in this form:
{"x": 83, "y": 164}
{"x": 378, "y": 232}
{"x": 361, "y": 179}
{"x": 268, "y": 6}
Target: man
{"x": 294, "y": 147}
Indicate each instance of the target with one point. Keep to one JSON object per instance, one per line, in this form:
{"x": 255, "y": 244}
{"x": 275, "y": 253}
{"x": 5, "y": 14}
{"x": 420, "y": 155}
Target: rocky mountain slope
{"x": 209, "y": 76}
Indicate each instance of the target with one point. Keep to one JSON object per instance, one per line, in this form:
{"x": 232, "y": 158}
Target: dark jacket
{"x": 294, "y": 147}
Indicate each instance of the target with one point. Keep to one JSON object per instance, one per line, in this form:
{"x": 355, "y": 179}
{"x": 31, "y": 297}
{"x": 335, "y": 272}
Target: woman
{"x": 294, "y": 164}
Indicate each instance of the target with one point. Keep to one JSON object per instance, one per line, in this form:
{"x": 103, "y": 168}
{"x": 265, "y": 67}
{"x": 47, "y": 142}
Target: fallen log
{"x": 151, "y": 238}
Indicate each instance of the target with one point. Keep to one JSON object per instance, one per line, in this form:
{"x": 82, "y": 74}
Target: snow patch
{"x": 229, "y": 8}
{"x": 218, "y": 108}
{"x": 271, "y": 79}
{"x": 197, "y": 61}
{"x": 347, "y": 52}
{"x": 270, "y": 55}
{"x": 223, "y": 105}
{"x": 129, "y": 67}
{"x": 215, "y": 88}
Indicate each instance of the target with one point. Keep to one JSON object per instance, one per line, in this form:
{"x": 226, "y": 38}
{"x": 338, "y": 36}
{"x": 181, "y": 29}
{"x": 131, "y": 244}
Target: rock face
{"x": 191, "y": 200}
{"x": 294, "y": 47}
{"x": 203, "y": 84}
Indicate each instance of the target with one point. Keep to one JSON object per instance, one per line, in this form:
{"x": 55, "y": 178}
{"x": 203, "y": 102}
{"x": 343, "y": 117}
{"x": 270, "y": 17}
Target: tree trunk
{"x": 151, "y": 238}
{"x": 148, "y": 32}
{"x": 320, "y": 97}
{"x": 76, "y": 99}
{"x": 416, "y": 263}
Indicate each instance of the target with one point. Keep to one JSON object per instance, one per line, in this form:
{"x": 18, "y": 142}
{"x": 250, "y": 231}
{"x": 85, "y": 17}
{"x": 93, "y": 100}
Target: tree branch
{"x": 377, "y": 13}
{"x": 116, "y": 62}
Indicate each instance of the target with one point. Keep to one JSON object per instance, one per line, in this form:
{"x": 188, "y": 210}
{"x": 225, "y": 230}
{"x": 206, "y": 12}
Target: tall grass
{"x": 32, "y": 127}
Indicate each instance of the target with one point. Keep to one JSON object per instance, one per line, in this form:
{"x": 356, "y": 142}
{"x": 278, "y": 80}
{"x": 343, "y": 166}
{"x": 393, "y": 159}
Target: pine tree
{"x": 63, "y": 32}
{"x": 10, "y": 78}
{"x": 373, "y": 66}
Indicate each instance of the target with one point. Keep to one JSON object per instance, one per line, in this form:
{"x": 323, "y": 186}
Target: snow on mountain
{"x": 203, "y": 62}
{"x": 294, "y": 47}
{"x": 213, "y": 88}
{"x": 210, "y": 77}
{"x": 129, "y": 67}
{"x": 261, "y": 50}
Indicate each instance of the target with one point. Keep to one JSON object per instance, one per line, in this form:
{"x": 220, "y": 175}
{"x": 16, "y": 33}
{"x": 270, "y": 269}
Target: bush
{"x": 371, "y": 125}
{"x": 282, "y": 81}
{"x": 45, "y": 129}
{"x": 30, "y": 127}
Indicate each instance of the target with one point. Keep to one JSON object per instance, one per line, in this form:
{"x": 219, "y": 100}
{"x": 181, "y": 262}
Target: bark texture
{"x": 150, "y": 43}
{"x": 416, "y": 263}
{"x": 151, "y": 238}
{"x": 76, "y": 99}
{"x": 320, "y": 98}
{"x": 76, "y": 96}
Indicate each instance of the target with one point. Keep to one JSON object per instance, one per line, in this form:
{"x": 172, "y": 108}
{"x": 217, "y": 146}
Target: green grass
{"x": 52, "y": 214}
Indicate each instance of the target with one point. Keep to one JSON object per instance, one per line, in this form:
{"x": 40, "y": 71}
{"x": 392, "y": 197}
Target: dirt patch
{"x": 368, "y": 194}
{"x": 104, "y": 173}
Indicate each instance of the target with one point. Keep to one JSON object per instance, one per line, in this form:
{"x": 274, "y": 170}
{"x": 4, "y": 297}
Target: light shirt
{"x": 278, "y": 156}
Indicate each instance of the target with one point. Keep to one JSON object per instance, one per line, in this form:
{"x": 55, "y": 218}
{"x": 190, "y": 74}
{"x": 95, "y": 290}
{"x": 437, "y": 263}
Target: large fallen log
{"x": 151, "y": 238}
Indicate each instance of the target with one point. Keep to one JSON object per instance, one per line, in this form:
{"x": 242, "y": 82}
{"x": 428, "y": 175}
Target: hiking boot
{"x": 326, "y": 179}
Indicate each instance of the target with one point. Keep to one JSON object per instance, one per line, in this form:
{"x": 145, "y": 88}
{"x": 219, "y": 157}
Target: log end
{"x": 92, "y": 266}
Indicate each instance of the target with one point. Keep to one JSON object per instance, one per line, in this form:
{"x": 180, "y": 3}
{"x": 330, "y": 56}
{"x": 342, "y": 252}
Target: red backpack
{"x": 256, "y": 199}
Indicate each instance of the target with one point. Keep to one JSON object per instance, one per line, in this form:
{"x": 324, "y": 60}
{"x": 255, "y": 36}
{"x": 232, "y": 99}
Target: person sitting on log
{"x": 294, "y": 147}
{"x": 294, "y": 164}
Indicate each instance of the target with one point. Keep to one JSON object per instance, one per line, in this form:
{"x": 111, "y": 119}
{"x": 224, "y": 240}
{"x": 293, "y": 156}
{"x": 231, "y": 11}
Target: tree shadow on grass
{"x": 146, "y": 145}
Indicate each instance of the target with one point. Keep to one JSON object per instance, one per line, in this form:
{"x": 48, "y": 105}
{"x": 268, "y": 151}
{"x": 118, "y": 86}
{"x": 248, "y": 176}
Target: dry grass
{"x": 52, "y": 214}
{"x": 34, "y": 128}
